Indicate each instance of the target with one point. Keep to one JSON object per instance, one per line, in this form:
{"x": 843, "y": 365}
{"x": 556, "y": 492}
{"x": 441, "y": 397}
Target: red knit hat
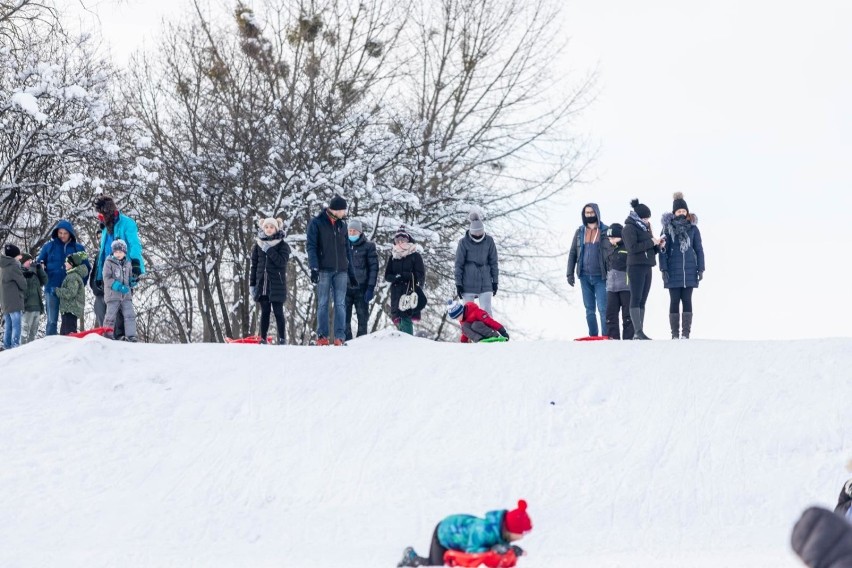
{"x": 517, "y": 521}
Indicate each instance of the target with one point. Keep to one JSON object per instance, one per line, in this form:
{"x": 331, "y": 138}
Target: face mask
{"x": 680, "y": 217}
{"x": 353, "y": 239}
{"x": 591, "y": 219}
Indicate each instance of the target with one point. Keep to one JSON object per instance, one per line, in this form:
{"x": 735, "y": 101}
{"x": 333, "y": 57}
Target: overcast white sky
{"x": 743, "y": 105}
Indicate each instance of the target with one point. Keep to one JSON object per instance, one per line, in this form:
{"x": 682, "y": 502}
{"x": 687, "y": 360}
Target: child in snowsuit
{"x": 118, "y": 279}
{"x": 268, "y": 276}
{"x": 12, "y": 292}
{"x": 470, "y": 534}
{"x": 617, "y": 288}
{"x": 72, "y": 293}
{"x": 33, "y": 300}
{"x": 475, "y": 322}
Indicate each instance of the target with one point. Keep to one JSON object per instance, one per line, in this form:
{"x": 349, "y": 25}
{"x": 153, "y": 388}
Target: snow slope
{"x": 649, "y": 454}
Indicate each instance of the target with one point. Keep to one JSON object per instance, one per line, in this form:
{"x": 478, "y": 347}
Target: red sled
{"x": 490, "y": 559}
{"x": 250, "y": 339}
{"x": 94, "y": 331}
{"x": 593, "y": 338}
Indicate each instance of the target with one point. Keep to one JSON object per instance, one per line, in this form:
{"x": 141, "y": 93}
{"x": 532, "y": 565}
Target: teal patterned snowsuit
{"x": 472, "y": 534}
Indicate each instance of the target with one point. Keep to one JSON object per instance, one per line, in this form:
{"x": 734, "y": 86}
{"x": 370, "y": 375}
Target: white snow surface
{"x": 633, "y": 454}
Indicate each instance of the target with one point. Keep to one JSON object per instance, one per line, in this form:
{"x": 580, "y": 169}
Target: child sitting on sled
{"x": 476, "y": 324}
{"x": 471, "y": 536}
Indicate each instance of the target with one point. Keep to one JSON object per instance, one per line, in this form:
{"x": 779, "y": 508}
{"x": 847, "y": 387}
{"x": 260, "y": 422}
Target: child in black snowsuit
{"x": 617, "y": 288}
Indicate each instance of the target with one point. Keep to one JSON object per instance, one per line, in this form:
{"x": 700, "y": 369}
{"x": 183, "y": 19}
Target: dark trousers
{"x": 355, "y": 297}
{"x": 616, "y": 301}
{"x": 69, "y": 324}
{"x": 639, "y": 279}
{"x": 679, "y": 295}
{"x": 436, "y": 551}
{"x": 265, "y": 308}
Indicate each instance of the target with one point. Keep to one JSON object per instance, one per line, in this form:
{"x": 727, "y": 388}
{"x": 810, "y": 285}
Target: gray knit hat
{"x": 477, "y": 227}
{"x": 118, "y": 244}
{"x": 356, "y": 225}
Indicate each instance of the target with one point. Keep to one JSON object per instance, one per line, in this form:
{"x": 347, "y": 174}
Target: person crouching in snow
{"x": 469, "y": 534}
{"x": 475, "y": 322}
{"x": 118, "y": 278}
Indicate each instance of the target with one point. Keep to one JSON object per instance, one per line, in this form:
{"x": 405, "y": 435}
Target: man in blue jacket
{"x": 63, "y": 242}
{"x": 330, "y": 262}
{"x": 588, "y": 260}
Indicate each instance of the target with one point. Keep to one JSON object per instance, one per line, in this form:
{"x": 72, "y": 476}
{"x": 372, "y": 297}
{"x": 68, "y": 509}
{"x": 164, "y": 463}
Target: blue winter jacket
{"x": 472, "y": 534}
{"x": 54, "y": 253}
{"x": 682, "y": 266}
{"x": 125, "y": 229}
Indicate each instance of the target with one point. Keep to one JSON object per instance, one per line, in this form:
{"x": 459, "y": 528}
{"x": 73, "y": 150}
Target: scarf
{"x": 634, "y": 216}
{"x": 401, "y": 250}
{"x": 678, "y": 230}
{"x": 266, "y": 242}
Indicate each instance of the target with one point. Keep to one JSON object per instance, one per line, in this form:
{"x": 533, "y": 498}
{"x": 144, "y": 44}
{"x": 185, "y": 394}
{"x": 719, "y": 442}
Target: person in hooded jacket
{"x": 72, "y": 292}
{"x": 476, "y": 269}
{"x": 62, "y": 244}
{"x": 268, "y": 276}
{"x": 13, "y": 289}
{"x": 587, "y": 259}
{"x": 823, "y": 539}
{"x": 365, "y": 263}
{"x": 681, "y": 262}
{"x": 406, "y": 272}
{"x": 642, "y": 248}
{"x": 116, "y": 225}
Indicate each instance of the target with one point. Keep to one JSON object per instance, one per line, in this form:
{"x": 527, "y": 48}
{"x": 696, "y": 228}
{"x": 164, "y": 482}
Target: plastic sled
{"x": 250, "y": 339}
{"x": 500, "y": 339}
{"x": 490, "y": 559}
{"x": 94, "y": 331}
{"x": 593, "y": 338}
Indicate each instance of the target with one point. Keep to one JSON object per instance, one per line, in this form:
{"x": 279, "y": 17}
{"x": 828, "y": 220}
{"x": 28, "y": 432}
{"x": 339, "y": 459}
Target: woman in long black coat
{"x": 642, "y": 248}
{"x": 268, "y": 278}
{"x": 406, "y": 273}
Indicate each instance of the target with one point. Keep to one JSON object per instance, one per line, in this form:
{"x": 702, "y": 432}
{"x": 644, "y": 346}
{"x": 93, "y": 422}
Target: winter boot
{"x": 109, "y": 335}
{"x": 410, "y": 558}
{"x": 338, "y": 342}
{"x": 322, "y": 341}
{"x": 263, "y": 341}
{"x": 642, "y": 317}
{"x": 674, "y": 321}
{"x": 687, "y": 324}
{"x": 131, "y": 339}
{"x": 282, "y": 341}
{"x": 636, "y": 317}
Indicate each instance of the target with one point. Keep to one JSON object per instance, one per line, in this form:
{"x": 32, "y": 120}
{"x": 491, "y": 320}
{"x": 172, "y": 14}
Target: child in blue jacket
{"x": 470, "y": 534}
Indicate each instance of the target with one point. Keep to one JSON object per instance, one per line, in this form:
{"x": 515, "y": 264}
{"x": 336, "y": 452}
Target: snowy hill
{"x": 630, "y": 454}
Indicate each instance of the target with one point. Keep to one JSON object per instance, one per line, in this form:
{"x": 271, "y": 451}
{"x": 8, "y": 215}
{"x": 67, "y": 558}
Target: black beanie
{"x": 11, "y": 251}
{"x": 679, "y": 202}
{"x": 337, "y": 203}
{"x": 642, "y": 210}
{"x": 614, "y": 231}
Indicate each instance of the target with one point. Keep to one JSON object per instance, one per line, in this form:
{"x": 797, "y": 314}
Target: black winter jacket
{"x": 328, "y": 244}
{"x": 823, "y": 539}
{"x": 269, "y": 269}
{"x": 641, "y": 250}
{"x": 399, "y": 272}
{"x": 365, "y": 262}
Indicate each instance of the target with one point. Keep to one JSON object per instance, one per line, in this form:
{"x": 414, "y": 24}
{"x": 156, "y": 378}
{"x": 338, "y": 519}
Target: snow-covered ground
{"x": 652, "y": 454}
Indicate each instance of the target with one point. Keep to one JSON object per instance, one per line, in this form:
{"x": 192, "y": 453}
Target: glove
{"x": 494, "y": 288}
{"x": 500, "y": 549}
{"x": 314, "y": 275}
{"x": 460, "y": 291}
{"x": 120, "y": 288}
{"x": 517, "y": 550}
{"x": 368, "y": 294}
{"x": 571, "y": 280}
{"x": 666, "y": 277}
{"x": 353, "y": 282}
{"x": 502, "y": 331}
{"x": 136, "y": 268}
{"x": 253, "y": 292}
{"x": 700, "y": 275}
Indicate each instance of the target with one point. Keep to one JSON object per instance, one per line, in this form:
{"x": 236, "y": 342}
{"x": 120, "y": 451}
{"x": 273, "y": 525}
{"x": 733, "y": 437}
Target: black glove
{"x": 368, "y": 294}
{"x": 136, "y": 268}
{"x": 353, "y": 282}
{"x": 571, "y": 280}
{"x": 517, "y": 550}
{"x": 494, "y": 288}
{"x": 666, "y": 277}
{"x": 700, "y": 276}
{"x": 500, "y": 549}
{"x": 502, "y": 331}
{"x": 460, "y": 291}
{"x": 314, "y": 275}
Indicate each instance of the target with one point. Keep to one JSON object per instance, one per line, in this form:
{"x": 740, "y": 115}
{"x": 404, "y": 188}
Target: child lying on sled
{"x": 476, "y": 324}
{"x": 465, "y": 540}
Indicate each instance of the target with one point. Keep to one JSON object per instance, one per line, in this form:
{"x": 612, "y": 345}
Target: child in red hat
{"x": 472, "y": 535}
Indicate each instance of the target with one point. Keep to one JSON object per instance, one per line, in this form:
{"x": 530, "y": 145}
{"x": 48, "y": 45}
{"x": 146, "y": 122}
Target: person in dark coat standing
{"x": 13, "y": 289}
{"x": 476, "y": 269}
{"x": 33, "y": 301}
{"x": 681, "y": 262}
{"x": 642, "y": 248}
{"x": 268, "y": 276}
{"x": 406, "y": 273}
{"x": 330, "y": 262}
{"x": 63, "y": 243}
{"x": 587, "y": 259}
{"x": 365, "y": 263}
{"x": 617, "y": 288}
{"x": 823, "y": 539}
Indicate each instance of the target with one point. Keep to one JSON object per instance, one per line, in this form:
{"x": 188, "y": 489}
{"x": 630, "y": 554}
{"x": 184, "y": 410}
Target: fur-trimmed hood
{"x": 667, "y": 219}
